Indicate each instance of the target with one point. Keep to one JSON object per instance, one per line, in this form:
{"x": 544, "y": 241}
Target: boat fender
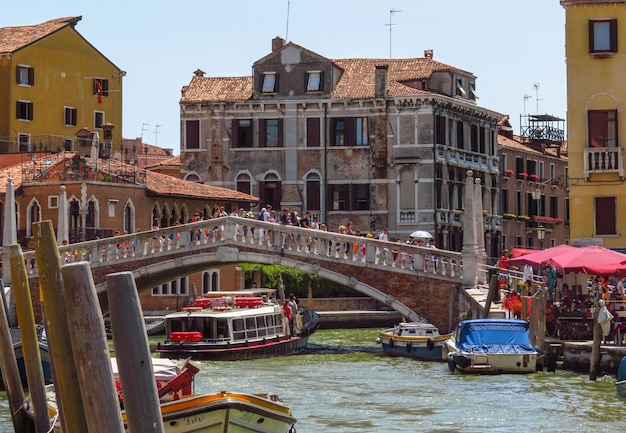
{"x": 391, "y": 342}
{"x": 430, "y": 343}
{"x": 451, "y": 364}
{"x": 292, "y": 429}
{"x": 408, "y": 347}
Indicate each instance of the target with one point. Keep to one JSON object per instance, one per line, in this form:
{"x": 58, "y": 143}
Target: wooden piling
{"x": 491, "y": 294}
{"x": 30, "y": 340}
{"x": 59, "y": 344}
{"x": 91, "y": 350}
{"x": 141, "y": 400}
{"x": 11, "y": 375}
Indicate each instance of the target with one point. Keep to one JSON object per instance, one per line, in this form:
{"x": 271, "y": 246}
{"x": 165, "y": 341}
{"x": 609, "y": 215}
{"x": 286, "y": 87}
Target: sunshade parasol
{"x": 541, "y": 257}
{"x": 585, "y": 259}
{"x": 421, "y": 234}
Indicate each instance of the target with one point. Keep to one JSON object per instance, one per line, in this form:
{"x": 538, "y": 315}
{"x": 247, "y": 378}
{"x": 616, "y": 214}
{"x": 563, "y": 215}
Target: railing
{"x": 466, "y": 158}
{"x": 604, "y": 160}
{"x": 271, "y": 238}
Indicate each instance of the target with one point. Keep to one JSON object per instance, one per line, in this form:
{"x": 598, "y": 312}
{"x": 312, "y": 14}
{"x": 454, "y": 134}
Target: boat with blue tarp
{"x": 491, "y": 346}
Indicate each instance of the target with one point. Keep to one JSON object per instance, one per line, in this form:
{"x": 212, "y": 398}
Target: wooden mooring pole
{"x": 30, "y": 341}
{"x": 141, "y": 399}
{"x": 91, "y": 350}
{"x": 59, "y": 344}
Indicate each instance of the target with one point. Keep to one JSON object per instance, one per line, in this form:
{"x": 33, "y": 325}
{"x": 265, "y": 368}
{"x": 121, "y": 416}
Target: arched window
{"x": 313, "y": 193}
{"x": 129, "y": 217}
{"x": 270, "y": 190}
{"x": 33, "y": 214}
{"x": 243, "y": 183}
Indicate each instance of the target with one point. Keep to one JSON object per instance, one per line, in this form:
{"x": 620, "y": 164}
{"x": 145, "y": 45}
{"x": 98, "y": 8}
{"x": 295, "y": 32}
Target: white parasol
{"x": 421, "y": 234}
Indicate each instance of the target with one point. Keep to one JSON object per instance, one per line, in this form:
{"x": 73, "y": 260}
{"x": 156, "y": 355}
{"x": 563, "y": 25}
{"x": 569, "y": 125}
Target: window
{"x": 566, "y": 208}
{"x": 505, "y": 201}
{"x": 68, "y": 144}
{"x": 554, "y": 206}
{"x": 361, "y": 194}
{"x": 518, "y": 203}
{"x": 313, "y": 133}
{"x": 271, "y": 133}
{"x": 269, "y": 82}
{"x": 440, "y": 130}
{"x": 98, "y": 119}
{"x": 313, "y": 199}
{"x": 314, "y": 81}
{"x": 176, "y": 287}
{"x": 602, "y": 126}
{"x": 460, "y": 135}
{"x": 25, "y": 75}
{"x": 531, "y": 167}
{"x": 349, "y": 131}
{"x": 606, "y": 221}
{"x": 242, "y": 133}
{"x": 243, "y": 184}
{"x": 71, "y": 114}
{"x": 460, "y": 91}
{"x": 24, "y": 142}
{"x": 602, "y": 36}
{"x": 100, "y": 87}
{"x": 473, "y": 93}
{"x": 192, "y": 134}
{"x": 24, "y": 110}
{"x": 53, "y": 202}
{"x": 338, "y": 195}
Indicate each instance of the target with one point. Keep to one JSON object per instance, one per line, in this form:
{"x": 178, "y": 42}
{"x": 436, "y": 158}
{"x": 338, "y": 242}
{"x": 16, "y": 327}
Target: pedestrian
{"x": 550, "y": 278}
{"x": 527, "y": 278}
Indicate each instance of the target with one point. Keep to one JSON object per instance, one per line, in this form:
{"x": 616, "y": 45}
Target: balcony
{"x": 604, "y": 160}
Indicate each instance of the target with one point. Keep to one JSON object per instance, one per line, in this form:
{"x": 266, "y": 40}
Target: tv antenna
{"x": 156, "y": 131}
{"x": 536, "y": 87}
{"x": 526, "y": 98}
{"x": 287, "y": 30}
{"x": 391, "y": 12}
{"x": 143, "y": 128}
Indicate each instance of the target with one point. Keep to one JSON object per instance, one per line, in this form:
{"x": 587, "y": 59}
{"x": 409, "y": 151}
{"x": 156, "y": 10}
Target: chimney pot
{"x": 428, "y": 54}
{"x": 277, "y": 43}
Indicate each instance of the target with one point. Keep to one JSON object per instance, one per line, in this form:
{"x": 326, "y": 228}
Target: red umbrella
{"x": 617, "y": 269}
{"x": 541, "y": 257}
{"x": 585, "y": 259}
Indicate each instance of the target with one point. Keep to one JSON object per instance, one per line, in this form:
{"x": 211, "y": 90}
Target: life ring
{"x": 409, "y": 346}
{"x": 430, "y": 343}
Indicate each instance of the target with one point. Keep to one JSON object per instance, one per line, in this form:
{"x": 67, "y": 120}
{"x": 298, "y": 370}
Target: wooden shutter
{"x": 313, "y": 132}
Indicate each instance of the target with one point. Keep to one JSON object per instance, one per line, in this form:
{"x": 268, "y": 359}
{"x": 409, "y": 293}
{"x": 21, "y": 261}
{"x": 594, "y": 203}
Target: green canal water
{"x": 343, "y": 383}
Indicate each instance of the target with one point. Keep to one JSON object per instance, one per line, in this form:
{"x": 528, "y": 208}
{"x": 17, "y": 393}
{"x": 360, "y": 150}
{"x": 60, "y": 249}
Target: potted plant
{"x": 509, "y": 216}
{"x": 534, "y": 177}
{"x": 522, "y": 176}
{"x": 508, "y": 173}
{"x": 523, "y": 218}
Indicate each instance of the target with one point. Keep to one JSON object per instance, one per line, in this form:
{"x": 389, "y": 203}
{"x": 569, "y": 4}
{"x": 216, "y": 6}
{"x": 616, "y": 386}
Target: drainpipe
{"x": 325, "y": 175}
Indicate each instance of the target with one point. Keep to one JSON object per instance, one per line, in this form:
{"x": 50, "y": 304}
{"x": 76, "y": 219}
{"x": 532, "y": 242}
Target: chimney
{"x": 428, "y": 54}
{"x": 380, "y": 81}
{"x": 277, "y": 43}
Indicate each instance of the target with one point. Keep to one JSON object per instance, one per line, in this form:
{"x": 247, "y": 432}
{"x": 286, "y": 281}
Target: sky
{"x": 515, "y": 48}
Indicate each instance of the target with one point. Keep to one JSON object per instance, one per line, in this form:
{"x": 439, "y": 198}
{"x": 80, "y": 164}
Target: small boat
{"x": 19, "y": 355}
{"x": 490, "y": 346}
{"x": 413, "y": 340}
{"x": 155, "y": 326}
{"x": 620, "y": 384}
{"x": 236, "y": 327}
{"x": 184, "y": 410}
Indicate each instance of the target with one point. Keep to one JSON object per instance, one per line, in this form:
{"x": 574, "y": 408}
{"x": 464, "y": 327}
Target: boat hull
{"x": 203, "y": 351}
{"x": 416, "y": 347}
{"x": 226, "y": 413}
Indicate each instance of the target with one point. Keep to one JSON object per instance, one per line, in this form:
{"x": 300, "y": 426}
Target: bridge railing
{"x": 265, "y": 236}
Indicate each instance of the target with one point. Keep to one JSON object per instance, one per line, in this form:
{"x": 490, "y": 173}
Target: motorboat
{"x": 490, "y": 346}
{"x": 418, "y": 340}
{"x": 184, "y": 410}
{"x": 46, "y": 365}
{"x": 235, "y": 327}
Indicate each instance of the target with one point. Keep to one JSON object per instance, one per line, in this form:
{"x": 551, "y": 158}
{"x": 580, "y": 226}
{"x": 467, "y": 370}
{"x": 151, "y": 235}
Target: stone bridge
{"x": 409, "y": 279}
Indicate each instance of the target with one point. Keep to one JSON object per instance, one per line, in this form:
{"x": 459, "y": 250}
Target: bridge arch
{"x": 156, "y": 274}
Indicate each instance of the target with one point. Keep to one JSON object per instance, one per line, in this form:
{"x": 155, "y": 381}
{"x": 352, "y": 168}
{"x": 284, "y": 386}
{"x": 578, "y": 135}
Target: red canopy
{"x": 592, "y": 260}
{"x": 540, "y": 257}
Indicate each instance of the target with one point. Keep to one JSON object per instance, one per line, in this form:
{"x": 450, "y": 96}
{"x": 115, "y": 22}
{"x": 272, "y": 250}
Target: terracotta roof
{"x": 515, "y": 143}
{"x": 171, "y": 162}
{"x": 357, "y": 80}
{"x": 165, "y": 185}
{"x": 210, "y": 89}
{"x": 14, "y": 38}
{"x": 155, "y": 183}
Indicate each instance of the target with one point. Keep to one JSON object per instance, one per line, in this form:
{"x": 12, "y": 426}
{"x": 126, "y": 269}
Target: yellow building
{"x": 595, "y": 37}
{"x": 54, "y": 83}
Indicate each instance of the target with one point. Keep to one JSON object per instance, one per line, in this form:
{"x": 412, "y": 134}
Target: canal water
{"x": 343, "y": 384}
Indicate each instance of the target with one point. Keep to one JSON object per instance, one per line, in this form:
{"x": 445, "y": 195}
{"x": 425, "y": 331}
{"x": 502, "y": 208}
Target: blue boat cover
{"x": 494, "y": 336}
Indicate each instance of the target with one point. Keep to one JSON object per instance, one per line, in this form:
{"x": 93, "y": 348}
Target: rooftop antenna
{"x": 536, "y": 87}
{"x": 391, "y": 12}
{"x": 156, "y": 131}
{"x": 143, "y": 128}
{"x": 287, "y": 30}
{"x": 526, "y": 98}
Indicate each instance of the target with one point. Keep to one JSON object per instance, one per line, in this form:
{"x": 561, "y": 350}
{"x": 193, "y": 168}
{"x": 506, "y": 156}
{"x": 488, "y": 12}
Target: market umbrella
{"x": 421, "y": 234}
{"x": 617, "y": 269}
{"x": 541, "y": 257}
{"x": 579, "y": 259}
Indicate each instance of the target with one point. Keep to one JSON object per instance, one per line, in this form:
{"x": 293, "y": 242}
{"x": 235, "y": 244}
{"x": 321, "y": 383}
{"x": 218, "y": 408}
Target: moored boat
{"x": 19, "y": 355}
{"x": 490, "y": 346}
{"x": 234, "y": 328}
{"x": 184, "y": 410}
{"x": 413, "y": 340}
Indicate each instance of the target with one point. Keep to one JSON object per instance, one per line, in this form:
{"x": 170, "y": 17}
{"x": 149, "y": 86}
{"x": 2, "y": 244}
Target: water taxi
{"x": 417, "y": 340}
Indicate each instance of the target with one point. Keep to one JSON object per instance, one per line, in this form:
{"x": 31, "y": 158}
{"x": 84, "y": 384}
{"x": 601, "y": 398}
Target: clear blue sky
{"x": 509, "y": 45}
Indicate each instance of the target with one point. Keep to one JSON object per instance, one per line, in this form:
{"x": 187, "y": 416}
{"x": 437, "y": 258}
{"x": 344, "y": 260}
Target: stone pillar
{"x": 63, "y": 231}
{"x": 473, "y": 251}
